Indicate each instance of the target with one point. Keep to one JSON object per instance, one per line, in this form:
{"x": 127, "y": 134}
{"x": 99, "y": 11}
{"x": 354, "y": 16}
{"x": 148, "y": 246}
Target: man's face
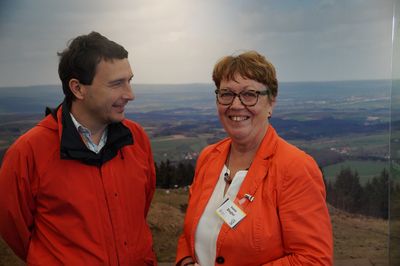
{"x": 105, "y": 99}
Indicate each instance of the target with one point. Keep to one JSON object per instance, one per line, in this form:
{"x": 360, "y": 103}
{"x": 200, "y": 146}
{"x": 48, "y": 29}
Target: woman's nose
{"x": 237, "y": 103}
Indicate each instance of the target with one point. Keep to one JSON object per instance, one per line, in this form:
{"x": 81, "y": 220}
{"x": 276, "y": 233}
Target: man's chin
{"x": 117, "y": 118}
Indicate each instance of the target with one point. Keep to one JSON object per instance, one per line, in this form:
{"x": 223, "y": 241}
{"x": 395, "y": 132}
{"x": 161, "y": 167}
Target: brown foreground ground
{"x": 355, "y": 237}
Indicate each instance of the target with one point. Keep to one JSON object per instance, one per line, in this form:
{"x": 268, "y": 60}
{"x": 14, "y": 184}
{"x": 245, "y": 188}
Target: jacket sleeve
{"x": 16, "y": 201}
{"x": 305, "y": 221}
{"x": 183, "y": 247}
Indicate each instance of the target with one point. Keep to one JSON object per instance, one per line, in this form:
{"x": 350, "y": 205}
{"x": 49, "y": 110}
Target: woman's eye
{"x": 249, "y": 94}
{"x": 226, "y": 94}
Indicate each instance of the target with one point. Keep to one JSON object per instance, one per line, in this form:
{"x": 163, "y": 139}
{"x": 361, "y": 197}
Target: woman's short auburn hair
{"x": 249, "y": 65}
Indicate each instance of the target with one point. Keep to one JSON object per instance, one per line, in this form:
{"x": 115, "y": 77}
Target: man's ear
{"x": 77, "y": 89}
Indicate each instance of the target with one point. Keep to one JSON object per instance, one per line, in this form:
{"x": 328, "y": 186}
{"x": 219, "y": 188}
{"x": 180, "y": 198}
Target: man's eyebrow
{"x": 116, "y": 81}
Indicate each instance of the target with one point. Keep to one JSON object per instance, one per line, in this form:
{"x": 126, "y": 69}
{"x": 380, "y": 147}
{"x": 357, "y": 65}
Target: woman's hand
{"x": 188, "y": 262}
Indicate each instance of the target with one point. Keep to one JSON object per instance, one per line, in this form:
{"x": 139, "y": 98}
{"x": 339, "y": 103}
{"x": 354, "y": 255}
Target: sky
{"x": 179, "y": 41}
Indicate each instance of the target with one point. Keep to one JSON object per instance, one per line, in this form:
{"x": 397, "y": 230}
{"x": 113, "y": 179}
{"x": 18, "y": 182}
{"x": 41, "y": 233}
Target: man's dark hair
{"x": 79, "y": 60}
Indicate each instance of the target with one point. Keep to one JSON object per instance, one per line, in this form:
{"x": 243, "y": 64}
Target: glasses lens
{"x": 249, "y": 97}
{"x": 225, "y": 96}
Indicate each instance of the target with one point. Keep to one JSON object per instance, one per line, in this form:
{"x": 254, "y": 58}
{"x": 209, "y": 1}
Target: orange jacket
{"x": 57, "y": 211}
{"x": 287, "y": 223}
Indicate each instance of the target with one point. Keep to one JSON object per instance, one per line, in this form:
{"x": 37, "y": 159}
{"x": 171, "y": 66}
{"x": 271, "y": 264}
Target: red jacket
{"x": 287, "y": 223}
{"x": 84, "y": 209}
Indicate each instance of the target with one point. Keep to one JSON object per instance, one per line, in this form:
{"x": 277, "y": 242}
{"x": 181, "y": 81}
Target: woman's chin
{"x": 239, "y": 136}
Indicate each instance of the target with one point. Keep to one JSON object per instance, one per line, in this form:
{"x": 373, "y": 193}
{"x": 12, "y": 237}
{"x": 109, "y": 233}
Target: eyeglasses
{"x": 247, "y": 98}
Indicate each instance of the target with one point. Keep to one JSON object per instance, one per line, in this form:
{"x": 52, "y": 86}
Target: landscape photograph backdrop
{"x": 333, "y": 61}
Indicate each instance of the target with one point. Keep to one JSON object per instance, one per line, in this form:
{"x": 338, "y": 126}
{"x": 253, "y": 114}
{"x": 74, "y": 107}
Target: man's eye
{"x": 116, "y": 83}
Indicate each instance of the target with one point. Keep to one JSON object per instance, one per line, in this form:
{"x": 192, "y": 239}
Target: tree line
{"x": 172, "y": 175}
{"x": 345, "y": 193}
{"x": 372, "y": 199}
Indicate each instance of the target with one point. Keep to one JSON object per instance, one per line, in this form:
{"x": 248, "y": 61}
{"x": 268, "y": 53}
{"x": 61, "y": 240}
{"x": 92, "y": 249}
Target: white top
{"x": 205, "y": 241}
{"x": 87, "y": 136}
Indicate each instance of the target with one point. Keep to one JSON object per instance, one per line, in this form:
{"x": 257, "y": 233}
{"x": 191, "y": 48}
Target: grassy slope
{"x": 354, "y": 236}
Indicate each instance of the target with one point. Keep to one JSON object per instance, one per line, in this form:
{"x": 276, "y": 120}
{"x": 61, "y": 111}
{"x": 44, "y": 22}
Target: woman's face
{"x": 245, "y": 125}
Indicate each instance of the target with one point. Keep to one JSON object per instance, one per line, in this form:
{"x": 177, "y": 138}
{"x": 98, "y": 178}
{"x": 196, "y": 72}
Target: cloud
{"x": 178, "y": 41}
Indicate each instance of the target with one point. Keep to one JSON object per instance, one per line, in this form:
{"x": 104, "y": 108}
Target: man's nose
{"x": 128, "y": 93}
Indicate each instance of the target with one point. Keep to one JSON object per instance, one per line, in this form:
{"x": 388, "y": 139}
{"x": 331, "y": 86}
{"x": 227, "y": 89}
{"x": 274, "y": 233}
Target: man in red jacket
{"x": 77, "y": 187}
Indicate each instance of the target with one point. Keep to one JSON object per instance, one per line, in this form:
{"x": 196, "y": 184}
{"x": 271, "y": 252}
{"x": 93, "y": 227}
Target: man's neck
{"x": 96, "y": 131}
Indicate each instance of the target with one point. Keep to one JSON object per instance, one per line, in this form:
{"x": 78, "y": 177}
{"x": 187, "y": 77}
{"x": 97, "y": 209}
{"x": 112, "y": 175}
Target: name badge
{"x": 230, "y": 213}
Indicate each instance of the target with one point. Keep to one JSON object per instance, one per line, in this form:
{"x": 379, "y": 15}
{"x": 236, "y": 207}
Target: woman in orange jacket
{"x": 255, "y": 199}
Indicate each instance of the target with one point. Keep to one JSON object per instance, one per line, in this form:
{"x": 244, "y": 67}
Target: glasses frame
{"x": 258, "y": 93}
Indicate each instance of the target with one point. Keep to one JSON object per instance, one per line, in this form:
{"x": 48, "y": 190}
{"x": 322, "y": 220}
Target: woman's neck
{"x": 248, "y": 147}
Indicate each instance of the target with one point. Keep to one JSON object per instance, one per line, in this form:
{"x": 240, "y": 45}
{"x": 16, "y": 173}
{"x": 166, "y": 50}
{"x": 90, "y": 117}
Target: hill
{"x": 335, "y": 122}
{"x": 355, "y": 236}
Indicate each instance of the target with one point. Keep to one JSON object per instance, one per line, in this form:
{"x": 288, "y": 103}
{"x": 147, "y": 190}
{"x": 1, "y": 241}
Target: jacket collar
{"x": 259, "y": 168}
{"x": 257, "y": 173}
{"x": 72, "y": 146}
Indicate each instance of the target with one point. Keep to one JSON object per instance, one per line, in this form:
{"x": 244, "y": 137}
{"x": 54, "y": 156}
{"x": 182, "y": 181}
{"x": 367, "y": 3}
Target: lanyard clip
{"x": 246, "y": 197}
{"x": 249, "y": 197}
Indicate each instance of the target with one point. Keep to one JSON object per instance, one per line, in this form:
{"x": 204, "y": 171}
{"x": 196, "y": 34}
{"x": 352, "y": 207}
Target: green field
{"x": 175, "y": 149}
{"x": 366, "y": 141}
{"x": 357, "y": 144}
{"x": 366, "y": 169}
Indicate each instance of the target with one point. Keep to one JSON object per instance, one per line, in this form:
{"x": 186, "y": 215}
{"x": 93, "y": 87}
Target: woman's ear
{"x": 271, "y": 108}
{"x": 77, "y": 89}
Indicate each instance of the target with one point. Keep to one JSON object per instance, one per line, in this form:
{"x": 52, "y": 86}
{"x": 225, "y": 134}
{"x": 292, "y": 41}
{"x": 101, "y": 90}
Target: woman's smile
{"x": 238, "y": 118}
